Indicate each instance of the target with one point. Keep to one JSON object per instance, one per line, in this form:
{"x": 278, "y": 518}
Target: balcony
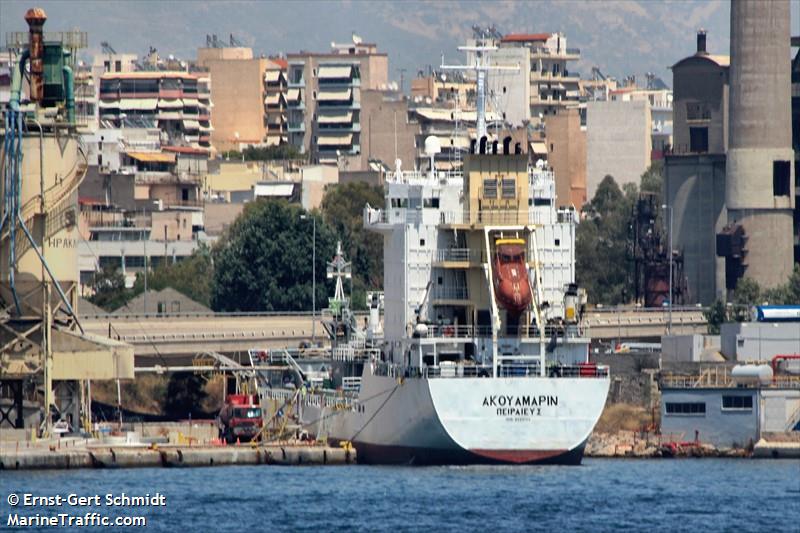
{"x": 296, "y": 84}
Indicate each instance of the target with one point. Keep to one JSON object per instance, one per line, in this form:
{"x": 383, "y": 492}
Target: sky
{"x": 620, "y": 37}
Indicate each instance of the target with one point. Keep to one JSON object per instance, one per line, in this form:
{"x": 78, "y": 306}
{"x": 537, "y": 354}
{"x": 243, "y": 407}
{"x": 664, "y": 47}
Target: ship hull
{"x": 520, "y": 420}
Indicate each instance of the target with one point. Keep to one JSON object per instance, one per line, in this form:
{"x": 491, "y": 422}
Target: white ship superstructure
{"x": 484, "y": 357}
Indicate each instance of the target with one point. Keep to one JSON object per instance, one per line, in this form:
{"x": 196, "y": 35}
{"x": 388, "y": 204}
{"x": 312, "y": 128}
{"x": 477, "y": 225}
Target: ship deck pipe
{"x": 16, "y": 81}
{"x": 69, "y": 87}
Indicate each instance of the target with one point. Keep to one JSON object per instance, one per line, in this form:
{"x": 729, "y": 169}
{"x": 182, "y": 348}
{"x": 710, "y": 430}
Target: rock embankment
{"x": 649, "y": 445}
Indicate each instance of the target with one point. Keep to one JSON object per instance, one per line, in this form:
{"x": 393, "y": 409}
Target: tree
{"x": 603, "y": 267}
{"x": 191, "y": 276}
{"x": 266, "y": 153}
{"x": 185, "y": 393}
{"x": 343, "y": 208}
{"x": 109, "y": 291}
{"x": 263, "y": 262}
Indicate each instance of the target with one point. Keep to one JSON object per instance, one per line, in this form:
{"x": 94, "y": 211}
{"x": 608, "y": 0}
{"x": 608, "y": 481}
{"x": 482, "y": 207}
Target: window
{"x": 509, "y": 188}
{"x": 698, "y": 140}
{"x": 118, "y": 65}
{"x": 490, "y": 188}
{"x": 422, "y": 242}
{"x": 737, "y": 403}
{"x": 686, "y": 408}
{"x": 781, "y": 171}
{"x": 558, "y": 242}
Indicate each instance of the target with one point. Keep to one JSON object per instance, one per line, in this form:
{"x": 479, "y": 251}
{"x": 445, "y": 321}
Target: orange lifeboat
{"x": 510, "y": 273}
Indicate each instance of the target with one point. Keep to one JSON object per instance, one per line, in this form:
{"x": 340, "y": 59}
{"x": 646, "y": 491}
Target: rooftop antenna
{"x": 107, "y": 48}
{"x": 481, "y": 67}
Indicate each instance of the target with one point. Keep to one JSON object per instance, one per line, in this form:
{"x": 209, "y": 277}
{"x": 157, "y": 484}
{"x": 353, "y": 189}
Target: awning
{"x": 190, "y": 102}
{"x": 335, "y": 140}
{"x": 152, "y": 157}
{"x": 273, "y": 99}
{"x": 327, "y": 161}
{"x": 334, "y": 96}
{"x": 271, "y": 76}
{"x": 436, "y": 114}
{"x": 538, "y": 147}
{"x": 334, "y": 73}
{"x": 191, "y": 124}
{"x": 293, "y": 95}
{"x": 138, "y": 103}
{"x": 336, "y": 118}
{"x": 173, "y": 115}
{"x": 444, "y": 165}
{"x": 165, "y": 103}
{"x": 109, "y": 105}
{"x": 206, "y": 128}
{"x": 273, "y": 189}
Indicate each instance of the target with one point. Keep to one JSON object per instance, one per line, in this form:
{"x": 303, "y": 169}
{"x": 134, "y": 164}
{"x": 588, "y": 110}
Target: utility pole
{"x": 668, "y": 208}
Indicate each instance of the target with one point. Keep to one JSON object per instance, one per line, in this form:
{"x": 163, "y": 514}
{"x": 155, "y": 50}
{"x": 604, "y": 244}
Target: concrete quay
{"x": 98, "y": 456}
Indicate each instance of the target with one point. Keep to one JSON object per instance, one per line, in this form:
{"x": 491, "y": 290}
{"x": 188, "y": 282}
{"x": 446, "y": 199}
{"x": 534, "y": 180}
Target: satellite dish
{"x": 333, "y": 44}
{"x": 444, "y": 77}
{"x": 432, "y": 145}
{"x": 356, "y": 39}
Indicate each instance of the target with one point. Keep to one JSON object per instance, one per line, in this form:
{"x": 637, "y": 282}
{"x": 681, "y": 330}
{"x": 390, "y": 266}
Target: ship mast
{"x": 481, "y": 67}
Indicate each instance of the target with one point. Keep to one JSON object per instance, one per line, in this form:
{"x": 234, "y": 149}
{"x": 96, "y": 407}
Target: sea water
{"x": 601, "y": 495}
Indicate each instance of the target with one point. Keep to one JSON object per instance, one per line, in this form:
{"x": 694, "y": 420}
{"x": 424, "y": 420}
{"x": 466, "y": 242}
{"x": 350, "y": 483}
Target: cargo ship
{"x": 482, "y": 356}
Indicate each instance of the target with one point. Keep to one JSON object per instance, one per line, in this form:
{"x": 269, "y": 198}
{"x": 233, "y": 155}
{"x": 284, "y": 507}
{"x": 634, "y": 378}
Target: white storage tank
{"x": 752, "y": 374}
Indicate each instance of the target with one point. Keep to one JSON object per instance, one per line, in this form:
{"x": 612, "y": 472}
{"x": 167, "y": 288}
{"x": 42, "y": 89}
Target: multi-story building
{"x": 553, "y": 85}
{"x": 249, "y": 97}
{"x": 565, "y": 146}
{"x": 324, "y": 100}
{"x": 177, "y": 102}
{"x": 618, "y": 142}
{"x": 275, "y": 102}
{"x": 660, "y": 101}
{"x": 454, "y": 128}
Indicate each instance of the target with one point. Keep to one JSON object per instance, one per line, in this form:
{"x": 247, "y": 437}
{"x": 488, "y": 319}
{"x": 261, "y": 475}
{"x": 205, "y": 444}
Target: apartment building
{"x": 554, "y": 86}
{"x": 275, "y": 86}
{"x": 249, "y": 96}
{"x": 324, "y": 109}
{"x": 660, "y": 101}
{"x": 178, "y": 103}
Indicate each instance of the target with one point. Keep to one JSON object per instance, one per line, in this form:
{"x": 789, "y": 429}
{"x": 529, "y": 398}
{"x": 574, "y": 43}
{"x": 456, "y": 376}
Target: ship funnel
{"x": 482, "y": 147}
{"x": 494, "y": 147}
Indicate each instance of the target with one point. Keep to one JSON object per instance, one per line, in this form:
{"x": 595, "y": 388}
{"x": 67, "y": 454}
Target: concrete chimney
{"x": 36, "y": 17}
{"x": 759, "y": 191}
{"x": 701, "y": 41}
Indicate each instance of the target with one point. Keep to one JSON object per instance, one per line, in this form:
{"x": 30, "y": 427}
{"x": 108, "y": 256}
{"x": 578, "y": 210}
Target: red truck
{"x": 240, "y": 418}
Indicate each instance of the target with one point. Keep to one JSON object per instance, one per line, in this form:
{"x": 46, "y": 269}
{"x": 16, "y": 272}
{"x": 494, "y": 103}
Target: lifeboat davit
{"x": 510, "y": 273}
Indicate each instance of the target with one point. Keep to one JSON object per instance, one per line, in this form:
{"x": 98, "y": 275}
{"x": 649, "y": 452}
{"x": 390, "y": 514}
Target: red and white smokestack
{"x": 36, "y": 17}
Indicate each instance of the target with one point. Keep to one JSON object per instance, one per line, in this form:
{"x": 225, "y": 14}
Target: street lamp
{"x": 313, "y": 278}
{"x": 669, "y": 322}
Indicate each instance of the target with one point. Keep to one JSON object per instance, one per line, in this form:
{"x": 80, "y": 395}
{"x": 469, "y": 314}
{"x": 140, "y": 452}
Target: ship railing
{"x": 496, "y": 216}
{"x": 458, "y": 254}
{"x": 518, "y": 368}
{"x": 450, "y": 293}
{"x": 568, "y": 331}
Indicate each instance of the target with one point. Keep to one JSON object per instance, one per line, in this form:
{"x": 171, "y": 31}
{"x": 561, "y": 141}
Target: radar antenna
{"x": 481, "y": 67}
